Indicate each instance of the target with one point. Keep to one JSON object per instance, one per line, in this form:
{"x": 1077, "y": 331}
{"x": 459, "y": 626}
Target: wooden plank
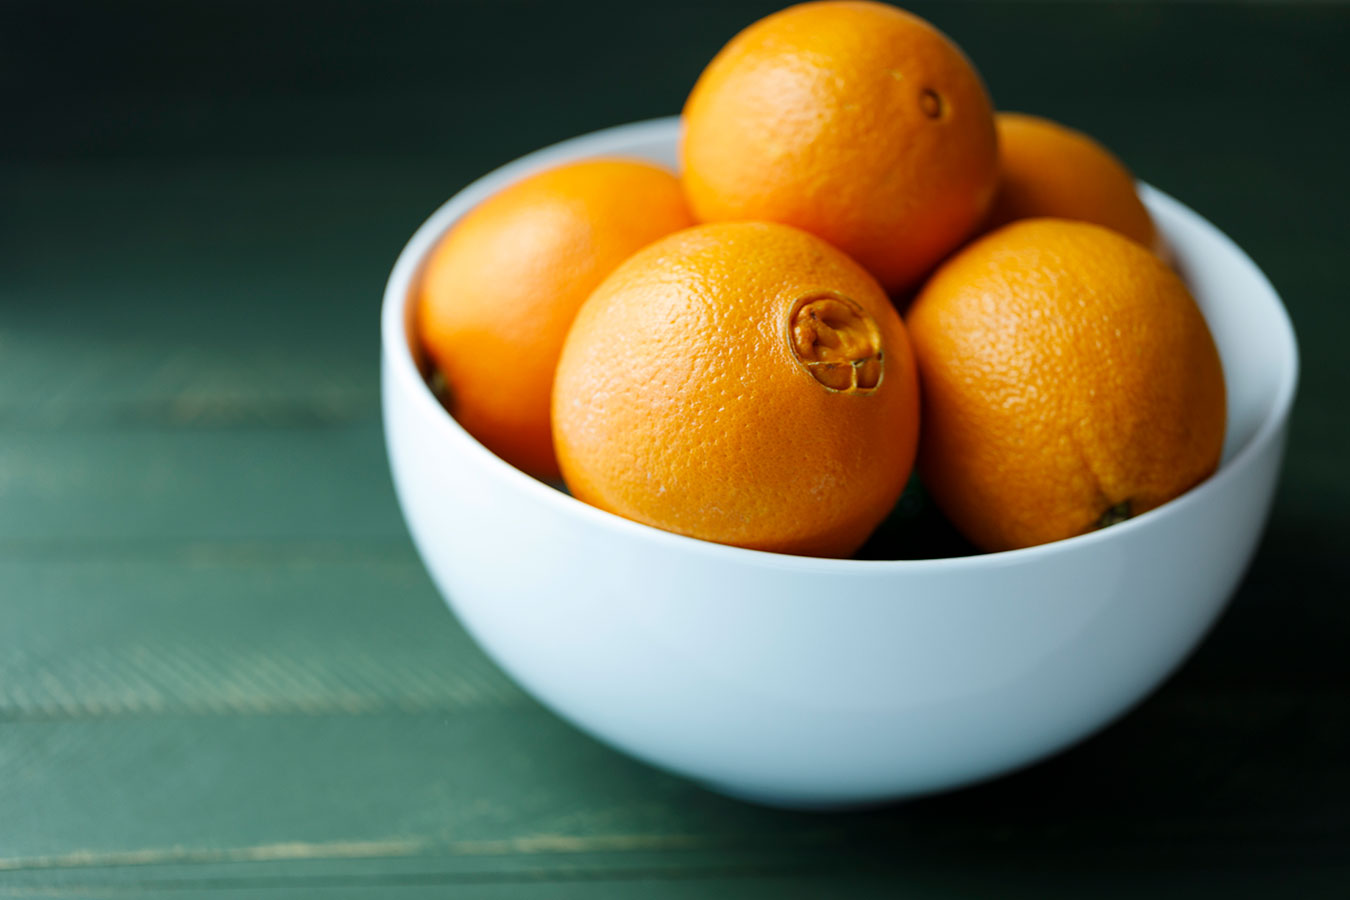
{"x": 234, "y": 630}
{"x": 121, "y": 801}
{"x": 925, "y": 882}
{"x": 315, "y": 482}
{"x": 150, "y": 706}
{"x": 186, "y": 296}
{"x": 111, "y": 531}
{"x": 226, "y": 715}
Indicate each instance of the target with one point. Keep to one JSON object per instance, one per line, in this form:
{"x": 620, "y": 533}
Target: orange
{"x": 744, "y": 383}
{"x": 858, "y": 122}
{"x": 1069, "y": 381}
{"x": 1049, "y": 170}
{"x": 502, "y": 287}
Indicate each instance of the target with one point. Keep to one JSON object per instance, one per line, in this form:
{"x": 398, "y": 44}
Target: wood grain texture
{"x": 223, "y": 672}
{"x": 144, "y": 485}
{"x": 692, "y": 880}
{"x": 228, "y": 632}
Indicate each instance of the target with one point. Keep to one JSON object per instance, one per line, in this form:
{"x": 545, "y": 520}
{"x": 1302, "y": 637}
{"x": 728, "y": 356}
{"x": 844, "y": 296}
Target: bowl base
{"x": 799, "y": 802}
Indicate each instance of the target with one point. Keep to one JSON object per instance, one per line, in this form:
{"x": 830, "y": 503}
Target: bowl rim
{"x": 400, "y": 365}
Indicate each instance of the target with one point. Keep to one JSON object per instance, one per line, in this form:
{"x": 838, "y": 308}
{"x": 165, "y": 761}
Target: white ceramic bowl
{"x": 817, "y": 683}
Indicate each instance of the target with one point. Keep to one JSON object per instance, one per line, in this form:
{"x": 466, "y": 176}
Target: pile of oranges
{"x": 859, "y": 265}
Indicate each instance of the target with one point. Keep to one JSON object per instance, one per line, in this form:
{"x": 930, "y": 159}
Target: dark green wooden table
{"x": 223, "y": 672}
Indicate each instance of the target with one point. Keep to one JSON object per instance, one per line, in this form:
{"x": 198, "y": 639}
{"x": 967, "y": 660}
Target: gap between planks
{"x": 294, "y": 851}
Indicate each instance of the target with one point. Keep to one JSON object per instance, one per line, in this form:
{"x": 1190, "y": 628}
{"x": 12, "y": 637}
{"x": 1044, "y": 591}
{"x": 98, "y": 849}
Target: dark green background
{"x": 223, "y": 672}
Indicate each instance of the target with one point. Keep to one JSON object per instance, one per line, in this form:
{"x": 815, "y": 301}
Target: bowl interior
{"x": 1250, "y": 326}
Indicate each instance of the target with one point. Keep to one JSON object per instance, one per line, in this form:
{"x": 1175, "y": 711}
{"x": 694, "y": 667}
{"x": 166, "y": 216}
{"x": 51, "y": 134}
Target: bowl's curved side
{"x": 818, "y": 690}
{"x": 815, "y": 682}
